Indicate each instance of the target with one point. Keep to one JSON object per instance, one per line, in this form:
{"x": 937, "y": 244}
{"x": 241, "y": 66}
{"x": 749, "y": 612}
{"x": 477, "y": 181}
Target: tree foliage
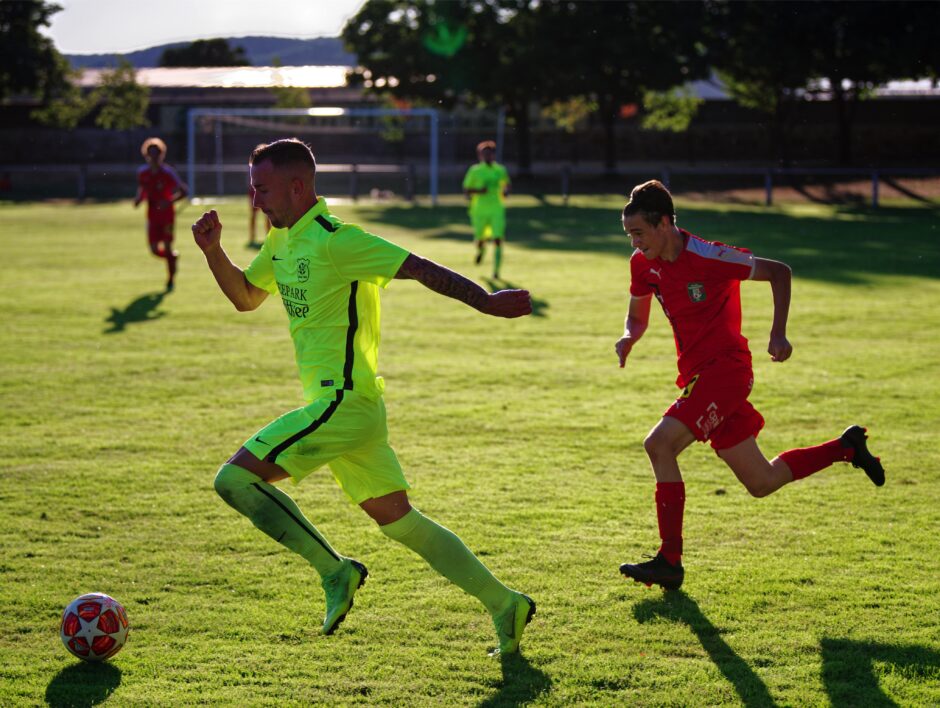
{"x": 562, "y": 54}
{"x": 205, "y": 52}
{"x": 516, "y": 53}
{"x": 441, "y": 53}
{"x": 121, "y": 99}
{"x": 772, "y": 55}
{"x": 671, "y": 110}
{"x": 29, "y": 62}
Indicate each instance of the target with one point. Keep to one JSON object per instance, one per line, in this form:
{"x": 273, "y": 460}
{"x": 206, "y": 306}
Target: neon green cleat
{"x": 340, "y": 588}
{"x": 512, "y": 622}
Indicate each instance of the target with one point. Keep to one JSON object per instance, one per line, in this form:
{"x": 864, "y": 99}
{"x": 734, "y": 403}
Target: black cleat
{"x": 658, "y": 571}
{"x": 855, "y": 437}
{"x": 479, "y": 258}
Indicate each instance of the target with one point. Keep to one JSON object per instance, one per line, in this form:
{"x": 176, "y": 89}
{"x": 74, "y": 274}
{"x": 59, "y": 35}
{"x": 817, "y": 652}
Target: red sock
{"x": 804, "y": 461}
{"x": 670, "y": 505}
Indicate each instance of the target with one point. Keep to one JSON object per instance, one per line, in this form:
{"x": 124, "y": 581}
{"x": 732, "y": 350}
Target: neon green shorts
{"x": 345, "y": 430}
{"x": 488, "y": 223}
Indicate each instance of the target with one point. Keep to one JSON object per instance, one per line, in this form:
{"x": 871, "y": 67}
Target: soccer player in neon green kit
{"x": 487, "y": 185}
{"x": 328, "y": 275}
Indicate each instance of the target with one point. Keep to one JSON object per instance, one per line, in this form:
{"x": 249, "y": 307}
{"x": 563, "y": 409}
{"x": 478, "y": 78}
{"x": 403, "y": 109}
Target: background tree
{"x": 772, "y": 55}
{"x": 443, "y": 53}
{"x": 867, "y": 44}
{"x": 617, "y": 53}
{"x": 762, "y": 54}
{"x": 29, "y": 62}
{"x": 205, "y": 52}
{"x": 123, "y": 101}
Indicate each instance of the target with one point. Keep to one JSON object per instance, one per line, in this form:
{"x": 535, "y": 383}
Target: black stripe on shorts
{"x": 325, "y": 416}
{"x": 351, "y": 336}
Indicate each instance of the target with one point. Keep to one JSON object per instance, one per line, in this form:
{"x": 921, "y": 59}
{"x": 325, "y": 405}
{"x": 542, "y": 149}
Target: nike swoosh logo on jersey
{"x": 275, "y": 258}
{"x": 257, "y": 439}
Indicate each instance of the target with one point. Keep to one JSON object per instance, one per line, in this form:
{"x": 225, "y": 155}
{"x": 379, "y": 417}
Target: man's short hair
{"x": 282, "y": 153}
{"x": 153, "y": 142}
{"x": 486, "y": 144}
{"x": 653, "y": 201}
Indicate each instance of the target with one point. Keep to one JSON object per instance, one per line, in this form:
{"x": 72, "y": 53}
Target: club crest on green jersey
{"x": 696, "y": 292}
{"x": 303, "y": 270}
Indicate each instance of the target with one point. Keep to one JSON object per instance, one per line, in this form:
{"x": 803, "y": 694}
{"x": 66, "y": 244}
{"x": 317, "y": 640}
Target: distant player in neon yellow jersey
{"x": 328, "y": 275}
{"x": 487, "y": 185}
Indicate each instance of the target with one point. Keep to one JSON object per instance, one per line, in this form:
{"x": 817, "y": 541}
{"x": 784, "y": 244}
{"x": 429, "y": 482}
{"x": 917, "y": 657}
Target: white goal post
{"x": 193, "y": 115}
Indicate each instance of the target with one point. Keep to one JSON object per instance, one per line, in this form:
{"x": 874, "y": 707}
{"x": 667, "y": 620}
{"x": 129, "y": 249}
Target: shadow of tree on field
{"x": 522, "y": 683}
{"x": 676, "y": 606}
{"x": 142, "y": 309}
{"x": 849, "y": 675}
{"x": 855, "y": 243}
{"x": 906, "y": 191}
{"x": 538, "y": 304}
{"x": 83, "y": 685}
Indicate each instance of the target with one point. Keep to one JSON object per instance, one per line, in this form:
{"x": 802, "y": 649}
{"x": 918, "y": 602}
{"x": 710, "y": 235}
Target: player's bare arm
{"x": 779, "y": 276}
{"x": 504, "y": 303}
{"x": 207, "y": 232}
{"x": 635, "y": 324}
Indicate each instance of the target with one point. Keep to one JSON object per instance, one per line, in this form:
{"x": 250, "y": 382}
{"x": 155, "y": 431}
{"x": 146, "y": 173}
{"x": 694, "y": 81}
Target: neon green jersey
{"x": 328, "y": 275}
{"x": 494, "y": 177}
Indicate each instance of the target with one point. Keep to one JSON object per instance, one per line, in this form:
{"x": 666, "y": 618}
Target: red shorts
{"x": 158, "y": 231}
{"x": 714, "y": 405}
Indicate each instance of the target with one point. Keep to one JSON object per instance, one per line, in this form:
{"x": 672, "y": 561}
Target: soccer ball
{"x": 94, "y": 627}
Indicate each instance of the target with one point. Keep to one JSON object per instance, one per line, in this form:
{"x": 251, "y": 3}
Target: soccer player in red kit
{"x": 697, "y": 283}
{"x": 159, "y": 184}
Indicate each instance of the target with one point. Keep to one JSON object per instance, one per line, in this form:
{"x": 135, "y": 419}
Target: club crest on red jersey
{"x": 696, "y": 292}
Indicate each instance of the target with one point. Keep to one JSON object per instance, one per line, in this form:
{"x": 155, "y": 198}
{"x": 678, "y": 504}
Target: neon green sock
{"x": 497, "y": 259}
{"x": 275, "y": 513}
{"x": 448, "y": 555}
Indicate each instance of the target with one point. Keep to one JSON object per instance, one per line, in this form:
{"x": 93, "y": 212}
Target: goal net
{"x": 359, "y": 151}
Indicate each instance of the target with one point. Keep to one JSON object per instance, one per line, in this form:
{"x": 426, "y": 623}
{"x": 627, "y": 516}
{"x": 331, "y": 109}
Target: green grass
{"x": 522, "y": 436}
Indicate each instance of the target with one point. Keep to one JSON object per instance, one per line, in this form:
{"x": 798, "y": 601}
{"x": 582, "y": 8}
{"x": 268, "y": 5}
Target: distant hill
{"x": 261, "y": 51}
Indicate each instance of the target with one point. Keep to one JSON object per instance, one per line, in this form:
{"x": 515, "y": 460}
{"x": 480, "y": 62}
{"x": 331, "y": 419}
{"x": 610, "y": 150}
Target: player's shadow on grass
{"x": 83, "y": 684}
{"x": 676, "y": 606}
{"x": 522, "y": 683}
{"x": 849, "y": 670}
{"x": 143, "y": 309}
{"x": 538, "y": 305}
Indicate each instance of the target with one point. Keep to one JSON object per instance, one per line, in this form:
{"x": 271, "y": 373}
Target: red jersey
{"x": 158, "y": 189}
{"x": 701, "y": 296}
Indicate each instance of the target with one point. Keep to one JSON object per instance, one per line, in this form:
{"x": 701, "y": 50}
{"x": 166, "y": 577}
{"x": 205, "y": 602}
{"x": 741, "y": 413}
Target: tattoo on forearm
{"x": 445, "y": 281}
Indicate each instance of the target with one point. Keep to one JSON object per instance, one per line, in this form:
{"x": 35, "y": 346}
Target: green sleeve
{"x": 359, "y": 255}
{"x": 468, "y": 181}
{"x": 260, "y": 272}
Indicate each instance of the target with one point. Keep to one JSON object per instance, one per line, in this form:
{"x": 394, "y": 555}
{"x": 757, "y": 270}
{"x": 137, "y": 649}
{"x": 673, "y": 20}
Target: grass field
{"x": 523, "y": 436}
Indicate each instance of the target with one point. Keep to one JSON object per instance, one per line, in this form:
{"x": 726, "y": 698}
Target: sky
{"x": 104, "y": 26}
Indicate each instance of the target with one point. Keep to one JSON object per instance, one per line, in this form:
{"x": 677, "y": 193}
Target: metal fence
{"x": 116, "y": 181}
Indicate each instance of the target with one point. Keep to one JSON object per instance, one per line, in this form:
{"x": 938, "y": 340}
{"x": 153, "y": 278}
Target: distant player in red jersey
{"x": 697, "y": 283}
{"x": 159, "y": 184}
